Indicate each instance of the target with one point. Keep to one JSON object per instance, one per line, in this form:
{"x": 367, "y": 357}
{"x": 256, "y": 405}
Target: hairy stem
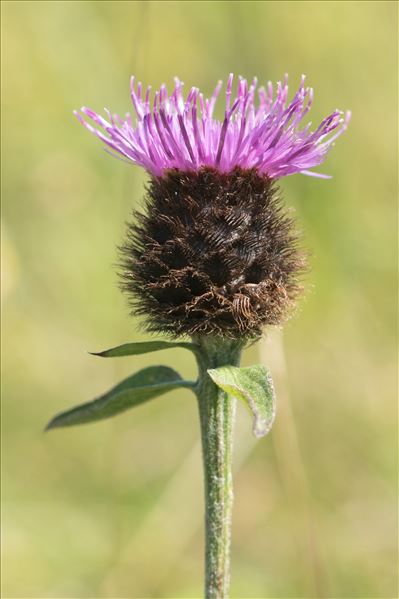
{"x": 217, "y": 414}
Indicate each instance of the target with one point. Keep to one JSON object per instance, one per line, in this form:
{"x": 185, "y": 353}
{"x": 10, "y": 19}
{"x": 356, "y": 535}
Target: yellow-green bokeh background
{"x": 115, "y": 509}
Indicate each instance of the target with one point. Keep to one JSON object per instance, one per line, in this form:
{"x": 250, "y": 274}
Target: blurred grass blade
{"x": 253, "y": 386}
{"x": 134, "y": 349}
{"x": 133, "y": 391}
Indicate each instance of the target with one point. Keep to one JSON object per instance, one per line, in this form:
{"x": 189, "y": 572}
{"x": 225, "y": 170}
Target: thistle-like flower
{"x": 213, "y": 255}
{"x": 214, "y": 251}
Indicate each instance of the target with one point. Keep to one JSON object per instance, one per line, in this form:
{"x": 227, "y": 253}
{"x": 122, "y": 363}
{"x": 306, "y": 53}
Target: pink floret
{"x": 182, "y": 133}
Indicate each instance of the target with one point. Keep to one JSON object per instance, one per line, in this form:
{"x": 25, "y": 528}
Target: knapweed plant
{"x": 213, "y": 256}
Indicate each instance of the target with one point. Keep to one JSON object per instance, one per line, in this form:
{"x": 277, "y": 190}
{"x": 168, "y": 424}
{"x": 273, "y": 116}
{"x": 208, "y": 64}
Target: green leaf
{"x": 253, "y": 386}
{"x": 134, "y": 349}
{"x": 133, "y": 391}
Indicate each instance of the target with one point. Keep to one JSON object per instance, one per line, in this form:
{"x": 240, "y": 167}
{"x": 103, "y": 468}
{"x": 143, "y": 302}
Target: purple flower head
{"x": 182, "y": 133}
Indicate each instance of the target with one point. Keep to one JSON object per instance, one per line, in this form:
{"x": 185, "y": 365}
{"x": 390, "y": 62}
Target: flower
{"x": 182, "y": 133}
{"x": 214, "y": 252}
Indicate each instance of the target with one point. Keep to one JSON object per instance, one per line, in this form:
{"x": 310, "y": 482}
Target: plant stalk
{"x": 217, "y": 414}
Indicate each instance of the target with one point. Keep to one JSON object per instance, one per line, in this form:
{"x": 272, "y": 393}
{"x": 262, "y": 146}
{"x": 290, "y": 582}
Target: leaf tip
{"x": 50, "y": 425}
{"x": 261, "y": 427}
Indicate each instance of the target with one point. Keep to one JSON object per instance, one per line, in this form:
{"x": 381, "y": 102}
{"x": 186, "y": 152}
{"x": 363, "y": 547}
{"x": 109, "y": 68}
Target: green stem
{"x": 217, "y": 415}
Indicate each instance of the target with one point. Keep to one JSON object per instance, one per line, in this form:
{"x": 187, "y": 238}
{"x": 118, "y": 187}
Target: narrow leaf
{"x": 134, "y": 349}
{"x": 133, "y": 391}
{"x": 253, "y": 386}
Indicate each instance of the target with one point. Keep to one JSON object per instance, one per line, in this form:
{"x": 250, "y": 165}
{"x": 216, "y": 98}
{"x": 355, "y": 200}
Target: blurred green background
{"x": 115, "y": 509}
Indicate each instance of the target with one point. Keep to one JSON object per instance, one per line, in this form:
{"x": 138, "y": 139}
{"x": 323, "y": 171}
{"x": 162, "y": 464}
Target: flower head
{"x": 175, "y": 132}
{"x": 214, "y": 251}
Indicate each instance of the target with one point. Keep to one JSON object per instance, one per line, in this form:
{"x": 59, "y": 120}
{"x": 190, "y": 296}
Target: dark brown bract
{"x": 213, "y": 253}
